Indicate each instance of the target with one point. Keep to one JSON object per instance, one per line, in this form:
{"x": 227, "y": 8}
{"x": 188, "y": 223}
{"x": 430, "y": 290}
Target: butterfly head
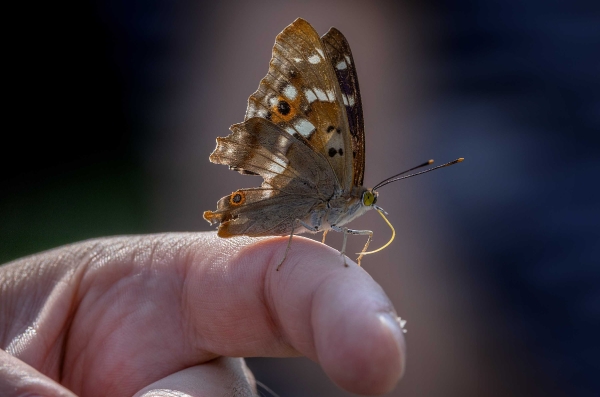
{"x": 369, "y": 198}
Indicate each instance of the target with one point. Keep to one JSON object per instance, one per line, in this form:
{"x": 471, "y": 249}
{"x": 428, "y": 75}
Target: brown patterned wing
{"x": 338, "y": 51}
{"x": 301, "y": 95}
{"x": 258, "y": 212}
{"x": 296, "y": 178}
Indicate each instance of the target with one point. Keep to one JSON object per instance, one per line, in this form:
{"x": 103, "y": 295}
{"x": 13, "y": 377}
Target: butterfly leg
{"x": 324, "y": 235}
{"x": 346, "y": 232}
{"x": 343, "y": 250}
{"x": 307, "y": 226}
{"x": 286, "y": 248}
{"x": 362, "y": 253}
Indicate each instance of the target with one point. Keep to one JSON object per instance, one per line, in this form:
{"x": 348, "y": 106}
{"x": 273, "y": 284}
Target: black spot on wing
{"x": 284, "y": 108}
{"x": 332, "y": 152}
{"x": 344, "y": 80}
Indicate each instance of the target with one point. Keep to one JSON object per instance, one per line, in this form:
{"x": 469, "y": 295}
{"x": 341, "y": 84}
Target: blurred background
{"x": 114, "y": 107}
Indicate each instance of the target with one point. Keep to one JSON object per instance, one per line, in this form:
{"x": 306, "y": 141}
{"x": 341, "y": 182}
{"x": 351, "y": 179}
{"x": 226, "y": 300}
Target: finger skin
{"x": 19, "y": 379}
{"x": 223, "y": 376}
{"x": 122, "y": 313}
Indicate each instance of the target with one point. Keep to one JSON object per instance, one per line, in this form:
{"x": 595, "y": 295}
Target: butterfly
{"x": 304, "y": 135}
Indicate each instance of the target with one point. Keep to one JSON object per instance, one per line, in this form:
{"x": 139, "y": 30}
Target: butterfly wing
{"x": 296, "y": 178}
{"x": 258, "y": 212}
{"x": 301, "y": 95}
{"x": 338, "y": 51}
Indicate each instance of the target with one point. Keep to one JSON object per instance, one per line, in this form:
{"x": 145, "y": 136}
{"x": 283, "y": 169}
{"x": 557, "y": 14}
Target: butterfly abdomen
{"x": 346, "y": 208}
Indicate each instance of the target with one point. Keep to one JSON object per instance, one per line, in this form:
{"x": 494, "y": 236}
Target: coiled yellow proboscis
{"x": 389, "y": 242}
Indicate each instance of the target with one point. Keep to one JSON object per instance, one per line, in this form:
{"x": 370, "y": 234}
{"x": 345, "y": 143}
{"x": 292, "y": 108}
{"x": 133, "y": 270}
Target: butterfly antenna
{"x": 394, "y": 178}
{"x": 425, "y": 164}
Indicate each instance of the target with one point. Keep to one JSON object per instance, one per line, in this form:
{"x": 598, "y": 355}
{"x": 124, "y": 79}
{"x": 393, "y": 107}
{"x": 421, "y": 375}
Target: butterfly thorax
{"x": 341, "y": 209}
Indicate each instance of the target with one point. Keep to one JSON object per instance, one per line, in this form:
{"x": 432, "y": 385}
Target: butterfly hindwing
{"x": 301, "y": 95}
{"x": 257, "y": 212}
{"x": 340, "y": 56}
{"x": 295, "y": 179}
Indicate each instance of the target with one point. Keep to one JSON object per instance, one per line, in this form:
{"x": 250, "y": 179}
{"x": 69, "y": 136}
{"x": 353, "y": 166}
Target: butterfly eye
{"x": 368, "y": 198}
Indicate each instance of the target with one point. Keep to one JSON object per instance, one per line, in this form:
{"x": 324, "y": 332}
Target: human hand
{"x": 134, "y": 315}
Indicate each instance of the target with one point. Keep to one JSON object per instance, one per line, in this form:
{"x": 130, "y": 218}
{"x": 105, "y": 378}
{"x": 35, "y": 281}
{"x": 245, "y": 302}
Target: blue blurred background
{"x": 114, "y": 106}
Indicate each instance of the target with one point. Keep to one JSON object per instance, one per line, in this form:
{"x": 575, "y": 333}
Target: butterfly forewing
{"x": 285, "y": 163}
{"x": 302, "y": 96}
{"x": 340, "y": 56}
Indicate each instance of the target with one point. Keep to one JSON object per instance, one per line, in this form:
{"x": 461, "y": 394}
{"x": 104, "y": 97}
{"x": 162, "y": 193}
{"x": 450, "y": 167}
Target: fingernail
{"x": 395, "y": 326}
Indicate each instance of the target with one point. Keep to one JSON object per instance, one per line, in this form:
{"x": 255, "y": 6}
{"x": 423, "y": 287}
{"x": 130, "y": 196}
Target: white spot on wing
{"x": 321, "y": 53}
{"x": 290, "y": 130}
{"x": 321, "y": 95}
{"x": 265, "y": 194}
{"x": 290, "y": 92}
{"x": 314, "y": 59}
{"x": 341, "y": 65}
{"x": 348, "y": 100}
{"x": 283, "y": 143}
{"x": 310, "y": 96}
{"x": 276, "y": 168}
{"x": 305, "y": 127}
{"x": 281, "y": 162}
{"x": 318, "y": 94}
{"x": 330, "y": 95}
{"x": 348, "y": 59}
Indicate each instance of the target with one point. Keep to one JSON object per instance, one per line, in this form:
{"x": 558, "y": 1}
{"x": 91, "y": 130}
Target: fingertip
{"x": 361, "y": 347}
{"x": 391, "y": 323}
{"x": 357, "y": 337}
